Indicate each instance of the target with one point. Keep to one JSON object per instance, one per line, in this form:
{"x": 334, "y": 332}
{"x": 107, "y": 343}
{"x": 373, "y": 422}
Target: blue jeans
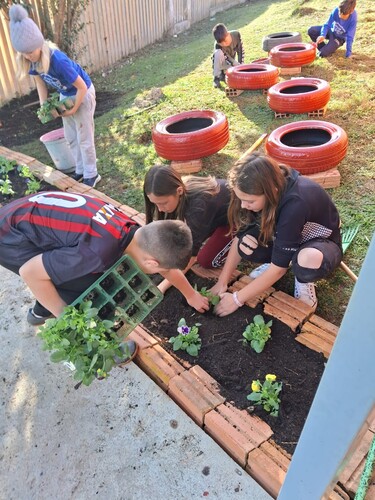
{"x": 325, "y": 49}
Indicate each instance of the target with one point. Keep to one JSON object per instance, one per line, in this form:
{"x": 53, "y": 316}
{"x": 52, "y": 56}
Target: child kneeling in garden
{"x": 340, "y": 28}
{"x": 280, "y": 218}
{"x": 228, "y": 45}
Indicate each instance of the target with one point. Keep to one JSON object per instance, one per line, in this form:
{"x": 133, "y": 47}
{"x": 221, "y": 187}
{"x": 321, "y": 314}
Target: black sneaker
{"x": 217, "y": 83}
{"x": 130, "y": 349}
{"x": 35, "y": 319}
{"x": 222, "y": 76}
{"x": 92, "y": 182}
{"x": 77, "y": 177}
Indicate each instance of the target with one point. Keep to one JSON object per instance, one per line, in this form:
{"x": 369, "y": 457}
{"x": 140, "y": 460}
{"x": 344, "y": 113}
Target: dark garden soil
{"x": 20, "y": 186}
{"x": 234, "y": 366}
{"x": 20, "y": 125}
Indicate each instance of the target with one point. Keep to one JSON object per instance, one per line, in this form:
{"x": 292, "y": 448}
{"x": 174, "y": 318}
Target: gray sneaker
{"x": 305, "y": 292}
{"x": 92, "y": 181}
{"x": 35, "y": 319}
{"x": 258, "y": 271}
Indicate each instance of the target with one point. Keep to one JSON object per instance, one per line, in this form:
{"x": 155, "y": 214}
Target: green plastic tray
{"x": 123, "y": 294}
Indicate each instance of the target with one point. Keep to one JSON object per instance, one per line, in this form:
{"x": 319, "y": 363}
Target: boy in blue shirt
{"x": 340, "y": 28}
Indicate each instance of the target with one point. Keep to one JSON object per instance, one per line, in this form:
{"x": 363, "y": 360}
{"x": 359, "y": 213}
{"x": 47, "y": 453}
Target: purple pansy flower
{"x": 183, "y": 330}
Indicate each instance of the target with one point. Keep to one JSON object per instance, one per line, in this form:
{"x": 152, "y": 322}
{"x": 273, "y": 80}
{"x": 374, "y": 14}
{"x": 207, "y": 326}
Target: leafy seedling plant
{"x": 267, "y": 394}
{"x": 8, "y": 166}
{"x": 53, "y": 107}
{"x": 212, "y": 299}
{"x": 257, "y": 333}
{"x": 188, "y": 338}
{"x": 81, "y": 338}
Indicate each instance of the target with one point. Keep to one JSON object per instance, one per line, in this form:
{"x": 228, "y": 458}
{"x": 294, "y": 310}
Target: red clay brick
{"x": 266, "y": 471}
{"x": 159, "y": 365}
{"x": 142, "y": 338}
{"x": 193, "y": 396}
{"x": 206, "y": 379}
{"x": 140, "y": 219}
{"x": 105, "y": 198}
{"x": 15, "y": 155}
{"x": 324, "y": 325}
{"x": 187, "y": 167}
{"x": 293, "y": 323}
{"x": 315, "y": 343}
{"x": 129, "y": 211}
{"x": 309, "y": 327}
{"x": 286, "y": 307}
{"x": 236, "y": 431}
{"x": 245, "y": 279}
{"x": 79, "y": 187}
{"x": 338, "y": 494}
{"x": 348, "y": 476}
{"x": 293, "y": 302}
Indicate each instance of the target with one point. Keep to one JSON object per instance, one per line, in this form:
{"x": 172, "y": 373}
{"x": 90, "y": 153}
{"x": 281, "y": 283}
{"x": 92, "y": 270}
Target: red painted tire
{"x": 300, "y": 95}
{"x": 191, "y": 135}
{"x": 309, "y": 146}
{"x": 252, "y": 76}
{"x": 289, "y": 55}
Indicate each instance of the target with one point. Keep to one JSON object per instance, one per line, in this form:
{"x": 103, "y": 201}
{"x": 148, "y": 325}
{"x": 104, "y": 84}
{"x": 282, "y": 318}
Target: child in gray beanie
{"x": 51, "y": 67}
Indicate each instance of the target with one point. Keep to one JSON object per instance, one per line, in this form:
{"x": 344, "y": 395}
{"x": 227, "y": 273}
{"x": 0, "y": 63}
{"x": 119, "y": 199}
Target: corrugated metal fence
{"x": 113, "y": 29}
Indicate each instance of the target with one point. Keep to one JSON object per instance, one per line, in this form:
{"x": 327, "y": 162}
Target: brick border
{"x": 246, "y": 438}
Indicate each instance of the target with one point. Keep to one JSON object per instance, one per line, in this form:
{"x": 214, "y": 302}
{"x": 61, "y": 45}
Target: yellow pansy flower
{"x": 255, "y": 386}
{"x": 270, "y": 377}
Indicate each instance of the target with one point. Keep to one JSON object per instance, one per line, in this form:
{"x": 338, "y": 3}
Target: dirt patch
{"x": 20, "y": 125}
{"x": 234, "y": 366}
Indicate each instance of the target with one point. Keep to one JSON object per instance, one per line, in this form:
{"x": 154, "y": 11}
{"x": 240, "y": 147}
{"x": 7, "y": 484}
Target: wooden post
{"x": 252, "y": 148}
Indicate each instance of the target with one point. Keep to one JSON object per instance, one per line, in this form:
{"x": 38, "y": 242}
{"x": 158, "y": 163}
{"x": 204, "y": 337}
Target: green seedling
{"x": 188, "y": 338}
{"x": 257, "y": 333}
{"x": 79, "y": 337}
{"x": 267, "y": 394}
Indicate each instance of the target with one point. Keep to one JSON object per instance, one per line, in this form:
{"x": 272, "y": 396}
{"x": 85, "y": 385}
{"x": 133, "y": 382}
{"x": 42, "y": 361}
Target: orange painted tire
{"x": 289, "y": 55}
{"x": 309, "y": 146}
{"x": 274, "y": 39}
{"x": 191, "y": 135}
{"x": 252, "y": 76}
{"x": 300, "y": 95}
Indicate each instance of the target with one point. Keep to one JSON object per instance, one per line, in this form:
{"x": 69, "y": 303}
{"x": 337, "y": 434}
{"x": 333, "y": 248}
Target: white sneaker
{"x": 258, "y": 271}
{"x": 306, "y": 293}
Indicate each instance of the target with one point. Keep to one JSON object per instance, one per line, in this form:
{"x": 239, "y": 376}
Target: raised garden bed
{"x": 234, "y": 366}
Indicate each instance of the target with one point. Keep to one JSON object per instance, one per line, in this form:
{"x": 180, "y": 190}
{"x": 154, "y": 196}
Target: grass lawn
{"x": 181, "y": 67}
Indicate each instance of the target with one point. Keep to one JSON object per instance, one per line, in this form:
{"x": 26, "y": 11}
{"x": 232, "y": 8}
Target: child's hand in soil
{"x": 218, "y": 288}
{"x": 199, "y": 302}
{"x": 226, "y": 305}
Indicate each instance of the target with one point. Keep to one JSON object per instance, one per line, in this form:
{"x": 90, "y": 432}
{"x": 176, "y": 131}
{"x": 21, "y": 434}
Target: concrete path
{"x": 119, "y": 439}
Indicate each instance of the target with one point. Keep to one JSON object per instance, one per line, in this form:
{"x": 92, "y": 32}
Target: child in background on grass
{"x": 280, "y": 218}
{"x": 201, "y": 202}
{"x": 60, "y": 243}
{"x": 340, "y": 28}
{"x": 228, "y": 45}
{"x": 49, "y": 66}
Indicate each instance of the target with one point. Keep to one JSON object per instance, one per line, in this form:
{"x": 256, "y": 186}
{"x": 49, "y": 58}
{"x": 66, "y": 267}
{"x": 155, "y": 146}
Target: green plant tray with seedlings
{"x": 123, "y": 294}
{"x": 53, "y": 107}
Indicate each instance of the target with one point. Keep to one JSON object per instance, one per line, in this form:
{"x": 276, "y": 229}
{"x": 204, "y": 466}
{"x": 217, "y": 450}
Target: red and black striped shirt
{"x": 76, "y": 233}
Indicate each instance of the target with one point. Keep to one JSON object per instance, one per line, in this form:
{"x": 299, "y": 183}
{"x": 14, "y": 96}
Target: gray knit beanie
{"x": 24, "y": 33}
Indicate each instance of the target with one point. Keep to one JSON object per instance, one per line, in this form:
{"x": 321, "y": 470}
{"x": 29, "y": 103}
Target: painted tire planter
{"x": 309, "y": 146}
{"x": 289, "y": 55}
{"x": 300, "y": 95}
{"x": 272, "y": 40}
{"x": 252, "y": 76}
{"x": 191, "y": 135}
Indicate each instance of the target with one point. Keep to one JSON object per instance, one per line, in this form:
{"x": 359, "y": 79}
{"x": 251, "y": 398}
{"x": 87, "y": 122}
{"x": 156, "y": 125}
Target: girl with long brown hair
{"x": 280, "y": 219}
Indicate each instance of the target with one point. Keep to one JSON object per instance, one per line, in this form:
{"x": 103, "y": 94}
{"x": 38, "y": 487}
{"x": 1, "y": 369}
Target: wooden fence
{"x": 113, "y": 29}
